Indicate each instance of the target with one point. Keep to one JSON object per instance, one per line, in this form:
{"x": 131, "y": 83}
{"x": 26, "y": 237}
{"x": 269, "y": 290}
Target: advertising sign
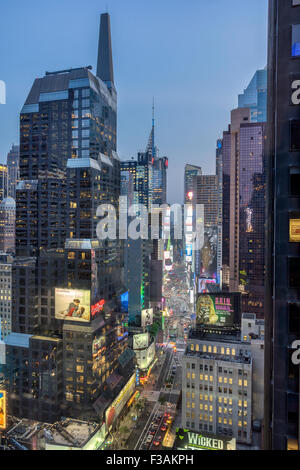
{"x": 3, "y": 413}
{"x": 145, "y": 357}
{"x": 141, "y": 341}
{"x": 221, "y": 310}
{"x": 295, "y": 230}
{"x": 72, "y": 304}
{"x": 203, "y": 283}
{"x": 186, "y": 439}
{"x": 147, "y": 317}
{"x": 118, "y": 404}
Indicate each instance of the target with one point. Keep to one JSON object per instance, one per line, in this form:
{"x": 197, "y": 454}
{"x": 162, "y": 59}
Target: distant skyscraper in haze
{"x": 207, "y": 195}
{"x": 7, "y": 225}
{"x": 144, "y": 181}
{"x": 255, "y": 97}
{"x": 13, "y": 170}
{"x": 190, "y": 182}
{"x": 67, "y": 319}
{"x": 3, "y": 181}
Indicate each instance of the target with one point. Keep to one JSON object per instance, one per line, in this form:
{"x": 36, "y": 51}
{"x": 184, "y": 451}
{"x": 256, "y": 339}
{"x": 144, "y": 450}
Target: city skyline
{"x": 205, "y": 99}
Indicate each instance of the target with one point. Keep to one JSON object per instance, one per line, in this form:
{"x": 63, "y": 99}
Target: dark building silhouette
{"x": 282, "y": 308}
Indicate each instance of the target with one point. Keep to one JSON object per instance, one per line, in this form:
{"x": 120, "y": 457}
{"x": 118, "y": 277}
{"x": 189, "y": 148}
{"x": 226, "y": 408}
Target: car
{"x": 163, "y": 428}
{"x": 152, "y": 432}
{"x": 149, "y": 439}
{"x": 157, "y": 441}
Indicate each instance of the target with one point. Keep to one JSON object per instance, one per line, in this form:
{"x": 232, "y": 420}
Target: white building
{"x": 222, "y": 382}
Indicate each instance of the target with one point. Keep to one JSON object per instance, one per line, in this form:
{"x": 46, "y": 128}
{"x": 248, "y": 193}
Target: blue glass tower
{"x": 255, "y": 97}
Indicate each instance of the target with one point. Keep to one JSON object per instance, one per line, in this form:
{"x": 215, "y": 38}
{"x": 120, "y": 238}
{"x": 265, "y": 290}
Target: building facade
{"x": 13, "y": 172}
{"x": 282, "y": 309}
{"x": 8, "y": 225}
{"x": 255, "y": 97}
{"x": 68, "y": 281}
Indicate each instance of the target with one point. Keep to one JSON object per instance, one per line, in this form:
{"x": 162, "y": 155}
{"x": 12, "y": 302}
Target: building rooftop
{"x": 18, "y": 340}
{"x": 220, "y": 357}
{"x": 71, "y": 432}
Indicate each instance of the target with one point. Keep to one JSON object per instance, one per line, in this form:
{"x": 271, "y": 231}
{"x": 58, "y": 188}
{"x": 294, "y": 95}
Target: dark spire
{"x": 105, "y": 69}
{"x": 151, "y": 149}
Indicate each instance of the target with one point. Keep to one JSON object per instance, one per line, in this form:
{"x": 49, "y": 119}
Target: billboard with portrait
{"x": 73, "y": 304}
{"x": 147, "y": 317}
{"x": 220, "y": 309}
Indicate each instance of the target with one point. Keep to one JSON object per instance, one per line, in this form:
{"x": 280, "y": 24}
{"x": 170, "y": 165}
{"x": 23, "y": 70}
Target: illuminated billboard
{"x": 147, "y": 317}
{"x": 190, "y": 440}
{"x": 140, "y": 341}
{"x": 144, "y": 357}
{"x": 72, "y": 304}
{"x": 118, "y": 404}
{"x": 220, "y": 309}
{"x": 294, "y": 230}
{"x": 3, "y": 412}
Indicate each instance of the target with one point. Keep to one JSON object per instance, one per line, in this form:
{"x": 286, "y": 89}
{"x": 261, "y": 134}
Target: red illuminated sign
{"x": 98, "y": 307}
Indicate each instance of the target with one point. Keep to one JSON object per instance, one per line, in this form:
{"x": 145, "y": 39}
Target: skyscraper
{"x": 207, "y": 195}
{"x": 3, "y": 181}
{"x": 67, "y": 314}
{"x": 7, "y": 225}
{"x": 255, "y": 97}
{"x": 243, "y": 209}
{"x": 13, "y": 172}
{"x": 282, "y": 308}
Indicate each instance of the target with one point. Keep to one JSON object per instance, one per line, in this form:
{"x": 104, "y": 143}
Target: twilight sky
{"x": 193, "y": 56}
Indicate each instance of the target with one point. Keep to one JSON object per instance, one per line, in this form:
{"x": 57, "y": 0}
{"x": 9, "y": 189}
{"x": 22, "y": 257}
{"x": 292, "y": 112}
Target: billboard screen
{"x": 147, "y": 317}
{"x": 140, "y": 341}
{"x": 72, "y": 304}
{"x": 2, "y": 409}
{"x": 186, "y": 439}
{"x": 118, "y": 404}
{"x": 220, "y": 309}
{"x": 145, "y": 357}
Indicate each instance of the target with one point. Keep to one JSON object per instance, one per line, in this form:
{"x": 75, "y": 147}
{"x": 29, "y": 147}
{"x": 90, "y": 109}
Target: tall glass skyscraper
{"x": 67, "y": 320}
{"x": 255, "y": 97}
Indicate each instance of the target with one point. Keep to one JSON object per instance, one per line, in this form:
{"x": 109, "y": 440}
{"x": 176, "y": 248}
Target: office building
{"x": 7, "y": 225}
{"x": 3, "y": 181}
{"x": 6, "y": 266}
{"x": 282, "y": 306}
{"x": 67, "y": 320}
{"x": 13, "y": 171}
{"x": 243, "y": 209}
{"x": 207, "y": 195}
{"x": 255, "y": 97}
{"x": 219, "y": 173}
{"x": 222, "y": 385}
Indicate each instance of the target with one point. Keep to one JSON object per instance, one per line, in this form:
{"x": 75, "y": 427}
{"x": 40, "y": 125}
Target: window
{"x": 294, "y": 272}
{"x": 295, "y": 182}
{"x": 296, "y": 40}
{"x": 295, "y": 136}
{"x": 295, "y": 3}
